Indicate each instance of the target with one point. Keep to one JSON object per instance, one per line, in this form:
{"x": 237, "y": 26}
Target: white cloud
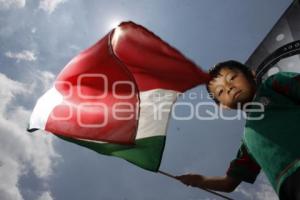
{"x": 74, "y": 47}
{"x": 23, "y": 55}
{"x": 19, "y": 150}
{"x": 265, "y": 191}
{"x": 50, "y": 5}
{"x": 45, "y": 196}
{"x": 33, "y": 30}
{"x": 7, "y": 4}
{"x": 43, "y": 81}
{"x": 262, "y": 190}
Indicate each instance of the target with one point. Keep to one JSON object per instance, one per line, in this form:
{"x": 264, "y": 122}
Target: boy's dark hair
{"x": 231, "y": 64}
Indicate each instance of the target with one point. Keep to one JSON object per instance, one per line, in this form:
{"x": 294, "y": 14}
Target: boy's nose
{"x": 229, "y": 89}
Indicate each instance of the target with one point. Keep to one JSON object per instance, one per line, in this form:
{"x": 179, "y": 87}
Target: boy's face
{"x": 231, "y": 87}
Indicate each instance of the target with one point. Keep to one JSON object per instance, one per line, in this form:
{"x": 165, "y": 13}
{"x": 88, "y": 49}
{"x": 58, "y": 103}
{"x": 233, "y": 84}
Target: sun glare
{"x": 114, "y": 23}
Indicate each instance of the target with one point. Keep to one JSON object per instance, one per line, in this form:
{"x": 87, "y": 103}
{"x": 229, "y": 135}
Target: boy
{"x": 271, "y": 143}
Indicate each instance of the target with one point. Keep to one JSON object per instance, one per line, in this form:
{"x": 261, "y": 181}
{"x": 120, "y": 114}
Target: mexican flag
{"x": 116, "y": 97}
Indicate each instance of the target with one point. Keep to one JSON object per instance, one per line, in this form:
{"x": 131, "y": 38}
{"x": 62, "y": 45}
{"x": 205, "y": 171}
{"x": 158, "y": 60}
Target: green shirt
{"x": 273, "y": 142}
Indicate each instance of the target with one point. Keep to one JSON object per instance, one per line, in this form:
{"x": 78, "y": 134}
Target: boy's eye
{"x": 220, "y": 92}
{"x": 233, "y": 77}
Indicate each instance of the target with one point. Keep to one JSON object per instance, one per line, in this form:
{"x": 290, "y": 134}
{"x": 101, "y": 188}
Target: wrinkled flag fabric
{"x": 116, "y": 96}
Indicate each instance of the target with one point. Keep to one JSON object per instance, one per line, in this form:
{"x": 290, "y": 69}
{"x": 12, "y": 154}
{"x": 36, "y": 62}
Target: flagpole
{"x": 207, "y": 190}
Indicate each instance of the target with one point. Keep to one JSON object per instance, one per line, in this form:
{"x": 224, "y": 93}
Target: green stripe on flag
{"x": 145, "y": 153}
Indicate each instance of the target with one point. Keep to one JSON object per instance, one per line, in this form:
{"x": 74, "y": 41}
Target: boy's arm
{"x": 218, "y": 183}
{"x": 242, "y": 168}
{"x": 286, "y": 83}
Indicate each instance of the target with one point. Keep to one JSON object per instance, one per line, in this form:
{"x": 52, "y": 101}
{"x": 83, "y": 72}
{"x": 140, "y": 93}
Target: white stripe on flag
{"x": 155, "y": 108}
{"x": 152, "y": 103}
{"x": 44, "y": 107}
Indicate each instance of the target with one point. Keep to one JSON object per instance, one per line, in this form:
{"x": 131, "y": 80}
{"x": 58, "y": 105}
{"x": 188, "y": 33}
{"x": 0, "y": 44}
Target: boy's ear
{"x": 253, "y": 72}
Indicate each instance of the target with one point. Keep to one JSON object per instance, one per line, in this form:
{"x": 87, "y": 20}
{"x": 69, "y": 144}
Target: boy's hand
{"x": 218, "y": 183}
{"x": 194, "y": 180}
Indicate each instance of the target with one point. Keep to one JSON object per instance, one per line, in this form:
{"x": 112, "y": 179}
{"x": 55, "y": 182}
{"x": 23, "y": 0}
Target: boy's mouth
{"x": 237, "y": 94}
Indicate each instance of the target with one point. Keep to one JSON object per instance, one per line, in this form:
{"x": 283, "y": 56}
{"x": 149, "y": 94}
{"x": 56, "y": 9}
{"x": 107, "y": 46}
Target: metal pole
{"x": 207, "y": 190}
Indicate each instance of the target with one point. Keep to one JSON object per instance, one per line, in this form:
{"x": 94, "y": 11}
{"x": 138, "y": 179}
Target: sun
{"x": 114, "y": 23}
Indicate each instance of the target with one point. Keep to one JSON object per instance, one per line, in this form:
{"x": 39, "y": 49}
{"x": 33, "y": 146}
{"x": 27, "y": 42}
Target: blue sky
{"x": 38, "y": 37}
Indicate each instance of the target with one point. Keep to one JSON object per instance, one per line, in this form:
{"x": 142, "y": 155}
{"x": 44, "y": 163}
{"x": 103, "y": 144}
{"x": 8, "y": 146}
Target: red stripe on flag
{"x": 130, "y": 53}
{"x": 89, "y": 99}
{"x": 153, "y": 62}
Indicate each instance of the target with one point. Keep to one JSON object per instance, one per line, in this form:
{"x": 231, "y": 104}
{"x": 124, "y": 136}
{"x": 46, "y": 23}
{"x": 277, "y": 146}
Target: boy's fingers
{"x": 184, "y": 179}
{"x": 181, "y": 178}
